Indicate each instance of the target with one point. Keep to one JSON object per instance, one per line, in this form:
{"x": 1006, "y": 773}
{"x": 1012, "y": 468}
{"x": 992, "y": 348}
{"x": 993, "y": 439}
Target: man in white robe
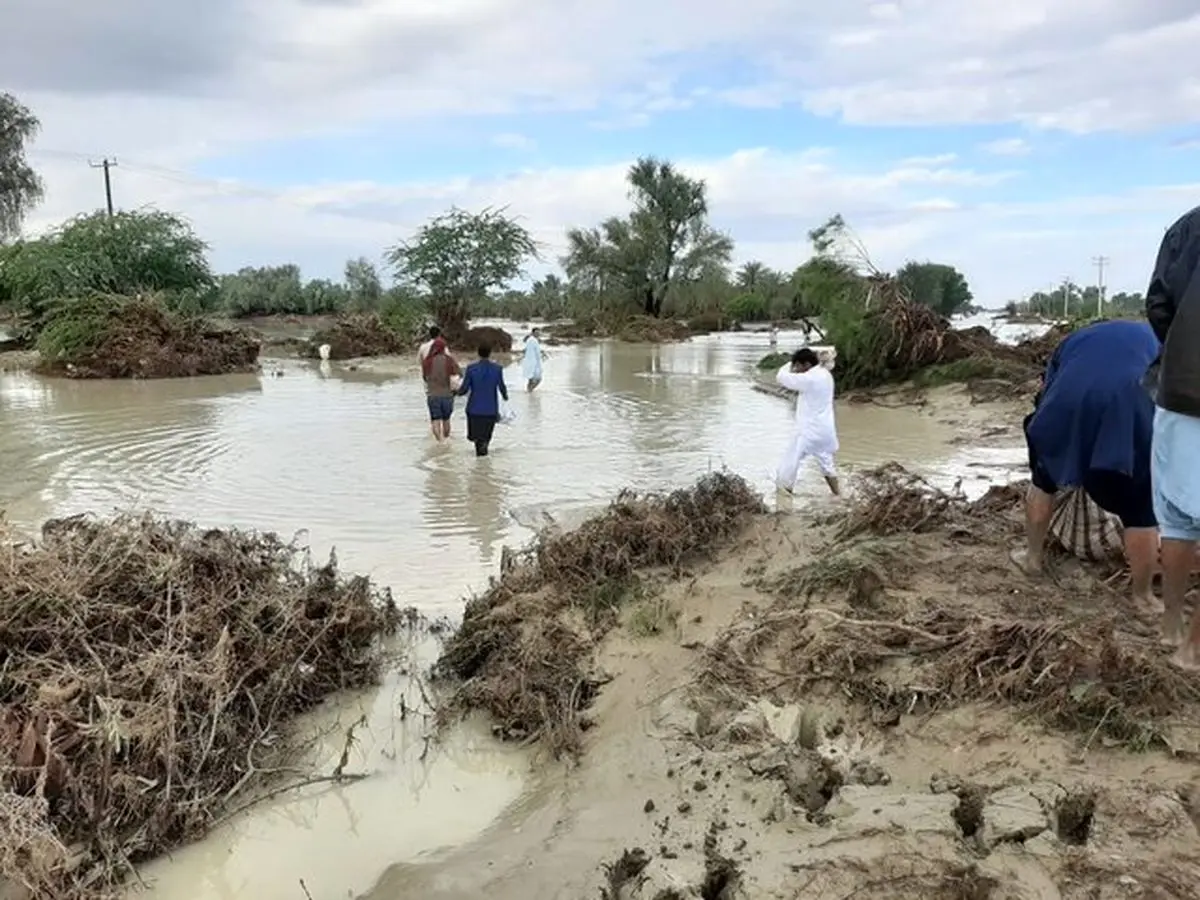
{"x": 815, "y": 431}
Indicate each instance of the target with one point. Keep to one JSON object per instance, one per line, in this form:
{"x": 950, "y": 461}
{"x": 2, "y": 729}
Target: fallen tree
{"x": 146, "y": 669}
{"x": 105, "y": 336}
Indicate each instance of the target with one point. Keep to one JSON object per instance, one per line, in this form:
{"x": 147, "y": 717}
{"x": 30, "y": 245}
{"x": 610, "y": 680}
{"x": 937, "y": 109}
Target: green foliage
{"x": 20, "y": 186}
{"x": 664, "y": 242}
{"x": 969, "y": 369}
{"x": 76, "y": 328}
{"x": 942, "y": 288}
{"x": 404, "y": 313}
{"x": 1070, "y": 301}
{"x": 459, "y": 256}
{"x": 130, "y": 253}
{"x": 773, "y": 361}
{"x": 748, "y": 308}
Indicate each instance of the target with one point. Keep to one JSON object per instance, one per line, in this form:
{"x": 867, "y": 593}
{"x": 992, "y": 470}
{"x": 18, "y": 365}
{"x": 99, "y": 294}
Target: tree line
{"x": 1072, "y": 301}
{"x": 663, "y": 258}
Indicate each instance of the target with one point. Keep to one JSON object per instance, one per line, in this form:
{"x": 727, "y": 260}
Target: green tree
{"x": 262, "y": 291}
{"x": 363, "y": 284}
{"x": 130, "y": 253}
{"x": 458, "y": 257}
{"x": 664, "y": 242}
{"x": 20, "y": 187}
{"x": 940, "y": 287}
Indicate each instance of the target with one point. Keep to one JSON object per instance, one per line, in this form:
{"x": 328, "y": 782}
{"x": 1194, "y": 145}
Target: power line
{"x": 1101, "y": 262}
{"x": 107, "y": 165}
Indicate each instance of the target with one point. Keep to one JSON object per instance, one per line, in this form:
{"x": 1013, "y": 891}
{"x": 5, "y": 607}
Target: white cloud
{"x": 1007, "y": 147}
{"x": 166, "y": 88}
{"x": 766, "y": 199}
{"x": 512, "y": 141}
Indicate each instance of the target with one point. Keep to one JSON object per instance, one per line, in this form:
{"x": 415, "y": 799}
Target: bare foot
{"x": 1187, "y": 658}
{"x": 1172, "y": 629}
{"x": 1149, "y": 605}
{"x": 1030, "y": 565}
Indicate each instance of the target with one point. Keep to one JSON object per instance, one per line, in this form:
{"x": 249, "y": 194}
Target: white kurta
{"x": 815, "y": 430}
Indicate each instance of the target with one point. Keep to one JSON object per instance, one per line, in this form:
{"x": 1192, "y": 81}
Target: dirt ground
{"x": 866, "y": 700}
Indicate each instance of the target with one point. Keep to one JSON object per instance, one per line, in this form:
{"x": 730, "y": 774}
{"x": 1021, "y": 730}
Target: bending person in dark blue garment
{"x": 1091, "y": 428}
{"x": 484, "y": 381}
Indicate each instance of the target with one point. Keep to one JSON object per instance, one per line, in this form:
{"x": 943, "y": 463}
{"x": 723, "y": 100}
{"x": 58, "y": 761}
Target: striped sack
{"x": 1084, "y": 530}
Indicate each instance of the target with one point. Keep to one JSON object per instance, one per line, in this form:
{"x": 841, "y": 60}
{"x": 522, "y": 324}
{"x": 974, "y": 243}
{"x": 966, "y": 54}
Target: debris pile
{"x": 524, "y": 650}
{"x": 146, "y": 669}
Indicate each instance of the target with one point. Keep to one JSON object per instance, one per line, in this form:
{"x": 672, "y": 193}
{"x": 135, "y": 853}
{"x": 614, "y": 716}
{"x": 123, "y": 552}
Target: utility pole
{"x": 107, "y": 165}
{"x": 1101, "y": 262}
{"x": 1066, "y": 292}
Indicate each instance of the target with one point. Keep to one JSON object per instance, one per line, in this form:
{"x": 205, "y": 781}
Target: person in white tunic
{"x": 531, "y": 365}
{"x": 815, "y": 431}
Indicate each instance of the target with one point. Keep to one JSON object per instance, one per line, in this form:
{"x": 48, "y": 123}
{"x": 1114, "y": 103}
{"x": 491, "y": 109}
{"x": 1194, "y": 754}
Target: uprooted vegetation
{"x": 360, "y": 336}
{"x": 914, "y": 606}
{"x": 524, "y": 651}
{"x": 148, "y": 668}
{"x": 630, "y": 329}
{"x": 106, "y": 336}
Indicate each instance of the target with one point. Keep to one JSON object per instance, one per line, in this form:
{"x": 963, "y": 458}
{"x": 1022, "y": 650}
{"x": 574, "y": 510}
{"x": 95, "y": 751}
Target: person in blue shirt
{"x": 484, "y": 382}
{"x": 1091, "y": 429}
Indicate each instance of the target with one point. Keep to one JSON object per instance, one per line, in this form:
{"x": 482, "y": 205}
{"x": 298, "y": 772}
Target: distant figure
{"x": 484, "y": 381}
{"x": 439, "y": 369}
{"x": 1173, "y": 310}
{"x": 1091, "y": 428}
{"x": 531, "y": 366}
{"x": 423, "y": 350}
{"x": 815, "y": 431}
{"x": 773, "y": 335}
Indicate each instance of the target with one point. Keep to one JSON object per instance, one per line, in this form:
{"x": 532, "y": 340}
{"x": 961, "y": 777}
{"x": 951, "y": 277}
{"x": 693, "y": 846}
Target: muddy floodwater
{"x": 347, "y": 456}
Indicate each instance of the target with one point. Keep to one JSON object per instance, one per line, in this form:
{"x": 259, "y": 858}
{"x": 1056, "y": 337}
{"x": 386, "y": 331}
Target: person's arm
{"x": 500, "y": 385}
{"x": 466, "y": 382}
{"x": 793, "y": 381}
{"x": 1178, "y": 257}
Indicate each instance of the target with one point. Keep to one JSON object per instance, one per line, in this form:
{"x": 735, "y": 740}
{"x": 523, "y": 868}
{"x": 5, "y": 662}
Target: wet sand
{"x": 691, "y": 768}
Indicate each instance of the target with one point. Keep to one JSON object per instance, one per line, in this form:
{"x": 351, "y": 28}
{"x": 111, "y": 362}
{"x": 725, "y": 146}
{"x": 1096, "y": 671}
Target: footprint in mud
{"x": 1073, "y": 816}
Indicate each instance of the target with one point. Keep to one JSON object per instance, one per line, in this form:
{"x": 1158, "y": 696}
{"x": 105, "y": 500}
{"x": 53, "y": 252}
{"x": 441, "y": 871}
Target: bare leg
{"x": 1039, "y": 506}
{"x": 1141, "y": 551}
{"x": 446, "y": 429}
{"x": 1177, "y": 557}
{"x": 436, "y": 427}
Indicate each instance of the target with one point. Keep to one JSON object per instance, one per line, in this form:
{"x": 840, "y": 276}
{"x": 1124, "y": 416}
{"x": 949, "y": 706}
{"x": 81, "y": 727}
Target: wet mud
{"x": 875, "y": 703}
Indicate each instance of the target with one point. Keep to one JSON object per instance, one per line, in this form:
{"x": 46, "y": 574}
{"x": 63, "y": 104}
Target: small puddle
{"x": 420, "y": 796}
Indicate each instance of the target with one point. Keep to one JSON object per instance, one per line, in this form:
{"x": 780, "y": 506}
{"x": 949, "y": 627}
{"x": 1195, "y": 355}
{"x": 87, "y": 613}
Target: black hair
{"x": 805, "y": 357}
{"x": 485, "y": 350}
{"x": 434, "y": 332}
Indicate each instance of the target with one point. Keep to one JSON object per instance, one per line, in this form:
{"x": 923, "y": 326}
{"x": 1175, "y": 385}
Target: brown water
{"x": 348, "y": 456}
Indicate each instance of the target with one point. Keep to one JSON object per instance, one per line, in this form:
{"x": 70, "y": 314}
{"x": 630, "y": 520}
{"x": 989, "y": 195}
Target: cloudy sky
{"x": 1017, "y": 140}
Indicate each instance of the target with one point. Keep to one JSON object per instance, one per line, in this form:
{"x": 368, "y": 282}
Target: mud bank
{"x": 867, "y": 702}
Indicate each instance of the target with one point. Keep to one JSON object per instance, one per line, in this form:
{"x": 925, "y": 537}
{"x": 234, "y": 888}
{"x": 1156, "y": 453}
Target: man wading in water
{"x": 438, "y": 368}
{"x": 815, "y": 433}
{"x": 484, "y": 381}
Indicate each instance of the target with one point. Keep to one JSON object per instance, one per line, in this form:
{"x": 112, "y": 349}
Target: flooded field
{"x": 347, "y": 456}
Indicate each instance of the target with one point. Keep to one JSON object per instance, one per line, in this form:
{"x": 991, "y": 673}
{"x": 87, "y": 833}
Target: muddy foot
{"x": 1149, "y": 606}
{"x": 1187, "y": 658}
{"x": 1020, "y": 558}
{"x": 1172, "y": 631}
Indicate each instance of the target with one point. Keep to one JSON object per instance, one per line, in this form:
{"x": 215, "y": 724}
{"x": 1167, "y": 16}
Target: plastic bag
{"x": 507, "y": 414}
